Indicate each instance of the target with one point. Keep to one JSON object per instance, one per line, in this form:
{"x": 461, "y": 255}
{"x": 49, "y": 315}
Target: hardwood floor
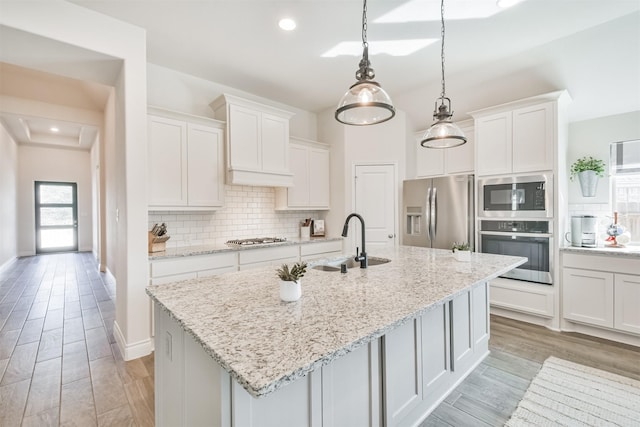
{"x": 491, "y": 393}
{"x": 59, "y": 364}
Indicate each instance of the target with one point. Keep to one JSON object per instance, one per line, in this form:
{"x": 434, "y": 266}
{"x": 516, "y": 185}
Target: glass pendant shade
{"x": 365, "y": 103}
{"x": 443, "y": 134}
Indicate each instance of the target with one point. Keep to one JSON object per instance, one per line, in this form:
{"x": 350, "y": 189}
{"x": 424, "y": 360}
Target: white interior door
{"x": 376, "y": 202}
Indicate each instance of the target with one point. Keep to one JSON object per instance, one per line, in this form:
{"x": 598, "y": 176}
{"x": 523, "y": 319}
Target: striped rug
{"x": 567, "y": 394}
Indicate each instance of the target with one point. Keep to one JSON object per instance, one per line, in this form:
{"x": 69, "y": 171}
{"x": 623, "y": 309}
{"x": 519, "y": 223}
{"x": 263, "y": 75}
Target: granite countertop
{"x": 626, "y": 251}
{"x": 211, "y": 249}
{"x": 265, "y": 343}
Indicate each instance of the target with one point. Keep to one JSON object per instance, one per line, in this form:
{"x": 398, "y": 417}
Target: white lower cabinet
{"x": 602, "y": 291}
{"x": 327, "y": 249}
{"x": 587, "y": 296}
{"x": 396, "y": 380}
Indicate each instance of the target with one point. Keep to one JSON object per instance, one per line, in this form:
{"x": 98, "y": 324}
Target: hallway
{"x": 59, "y": 364}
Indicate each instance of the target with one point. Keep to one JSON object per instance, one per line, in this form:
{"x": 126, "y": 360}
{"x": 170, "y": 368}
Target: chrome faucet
{"x": 362, "y": 257}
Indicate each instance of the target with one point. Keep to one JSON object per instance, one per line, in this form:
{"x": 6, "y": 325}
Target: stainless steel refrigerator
{"x": 438, "y": 211}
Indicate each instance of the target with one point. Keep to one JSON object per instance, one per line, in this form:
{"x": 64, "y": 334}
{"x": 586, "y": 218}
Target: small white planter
{"x": 463, "y": 255}
{"x": 290, "y": 291}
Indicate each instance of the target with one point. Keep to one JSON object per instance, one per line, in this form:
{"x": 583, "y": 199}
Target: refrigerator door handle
{"x": 434, "y": 215}
{"x": 428, "y": 213}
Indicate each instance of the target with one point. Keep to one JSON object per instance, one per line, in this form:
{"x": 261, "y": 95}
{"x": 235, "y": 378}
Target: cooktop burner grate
{"x": 256, "y": 241}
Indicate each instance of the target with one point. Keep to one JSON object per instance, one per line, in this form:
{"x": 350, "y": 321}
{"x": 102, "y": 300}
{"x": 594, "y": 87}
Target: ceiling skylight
{"x": 378, "y": 47}
{"x": 429, "y": 10}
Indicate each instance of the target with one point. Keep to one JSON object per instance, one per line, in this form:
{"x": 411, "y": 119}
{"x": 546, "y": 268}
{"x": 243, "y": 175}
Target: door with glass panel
{"x": 56, "y": 216}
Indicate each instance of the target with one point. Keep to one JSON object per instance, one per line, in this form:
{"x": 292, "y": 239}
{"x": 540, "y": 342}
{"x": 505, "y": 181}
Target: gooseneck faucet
{"x": 362, "y": 257}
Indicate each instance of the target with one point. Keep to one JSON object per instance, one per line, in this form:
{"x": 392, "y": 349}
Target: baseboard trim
{"x": 133, "y": 350}
{"x": 8, "y": 263}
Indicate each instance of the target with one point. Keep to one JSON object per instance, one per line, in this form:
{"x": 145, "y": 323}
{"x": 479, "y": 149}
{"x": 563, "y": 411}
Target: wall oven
{"x": 516, "y": 197}
{"x": 530, "y": 239}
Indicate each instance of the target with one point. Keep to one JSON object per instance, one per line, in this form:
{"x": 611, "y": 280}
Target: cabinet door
{"x": 480, "y": 312}
{"x": 587, "y": 296}
{"x": 435, "y": 350}
{"x": 205, "y": 175}
{"x": 627, "y": 303}
{"x": 494, "y": 144}
{"x": 244, "y": 131}
{"x": 533, "y": 138}
{"x": 319, "y": 194}
{"x": 461, "y": 340}
{"x": 402, "y": 366}
{"x": 167, "y": 167}
{"x": 460, "y": 159}
{"x": 298, "y": 195}
{"x": 275, "y": 144}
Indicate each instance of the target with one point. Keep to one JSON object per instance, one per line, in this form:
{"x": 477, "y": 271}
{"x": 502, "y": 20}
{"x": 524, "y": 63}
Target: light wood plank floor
{"x": 59, "y": 364}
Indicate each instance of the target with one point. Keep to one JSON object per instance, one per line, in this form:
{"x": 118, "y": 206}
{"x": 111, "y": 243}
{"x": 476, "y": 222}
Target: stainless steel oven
{"x": 516, "y": 197}
{"x": 530, "y": 239}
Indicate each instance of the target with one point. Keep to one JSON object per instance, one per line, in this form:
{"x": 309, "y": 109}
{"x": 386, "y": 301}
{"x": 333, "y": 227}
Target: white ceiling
{"x": 590, "y": 47}
{"x": 238, "y": 43}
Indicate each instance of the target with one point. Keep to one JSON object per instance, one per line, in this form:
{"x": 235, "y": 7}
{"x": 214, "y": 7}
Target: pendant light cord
{"x": 442, "y": 95}
{"x": 364, "y": 25}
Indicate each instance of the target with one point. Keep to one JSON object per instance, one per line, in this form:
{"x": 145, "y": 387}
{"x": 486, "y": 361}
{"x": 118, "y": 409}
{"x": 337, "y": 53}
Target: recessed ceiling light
{"x": 287, "y": 24}
{"x": 54, "y": 129}
{"x": 390, "y": 47}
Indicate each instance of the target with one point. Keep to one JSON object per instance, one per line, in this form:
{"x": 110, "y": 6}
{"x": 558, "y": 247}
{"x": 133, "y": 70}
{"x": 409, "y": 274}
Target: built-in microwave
{"x": 516, "y": 197}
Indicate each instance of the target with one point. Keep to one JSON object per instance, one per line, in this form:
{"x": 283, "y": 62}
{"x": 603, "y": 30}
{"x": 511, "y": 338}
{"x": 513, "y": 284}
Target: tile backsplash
{"x": 248, "y": 212}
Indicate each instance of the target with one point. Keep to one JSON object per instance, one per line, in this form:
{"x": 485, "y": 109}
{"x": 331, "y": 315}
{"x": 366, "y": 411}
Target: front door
{"x": 376, "y": 201}
{"x": 56, "y": 216}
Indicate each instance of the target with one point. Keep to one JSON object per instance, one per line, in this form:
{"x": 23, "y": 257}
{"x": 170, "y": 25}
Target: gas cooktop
{"x": 256, "y": 241}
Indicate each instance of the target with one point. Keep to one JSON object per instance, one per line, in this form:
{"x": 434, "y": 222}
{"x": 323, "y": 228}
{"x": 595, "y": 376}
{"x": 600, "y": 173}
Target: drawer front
{"x": 320, "y": 248}
{"x": 602, "y": 263}
{"x": 269, "y": 254}
{"x": 176, "y": 266}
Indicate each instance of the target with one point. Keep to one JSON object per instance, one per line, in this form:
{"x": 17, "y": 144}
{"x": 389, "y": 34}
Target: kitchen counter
{"x": 265, "y": 343}
{"x": 627, "y": 251}
{"x": 186, "y": 251}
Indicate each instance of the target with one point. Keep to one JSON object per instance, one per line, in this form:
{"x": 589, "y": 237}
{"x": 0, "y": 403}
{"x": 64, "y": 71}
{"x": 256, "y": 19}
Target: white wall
{"x": 350, "y": 145}
{"x": 8, "y": 198}
{"x": 51, "y": 164}
{"x": 181, "y": 92}
{"x": 81, "y": 31}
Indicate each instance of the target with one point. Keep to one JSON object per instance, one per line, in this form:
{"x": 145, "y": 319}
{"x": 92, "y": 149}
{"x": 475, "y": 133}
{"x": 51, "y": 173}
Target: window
{"x": 625, "y": 179}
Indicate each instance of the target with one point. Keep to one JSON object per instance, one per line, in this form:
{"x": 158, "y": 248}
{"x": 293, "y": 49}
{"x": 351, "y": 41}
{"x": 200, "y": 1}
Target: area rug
{"x": 568, "y": 394}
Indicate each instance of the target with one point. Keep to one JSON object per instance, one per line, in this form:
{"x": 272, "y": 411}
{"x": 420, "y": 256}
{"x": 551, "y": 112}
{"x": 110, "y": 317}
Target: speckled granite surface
{"x": 265, "y": 343}
{"x": 211, "y": 249}
{"x": 627, "y": 251}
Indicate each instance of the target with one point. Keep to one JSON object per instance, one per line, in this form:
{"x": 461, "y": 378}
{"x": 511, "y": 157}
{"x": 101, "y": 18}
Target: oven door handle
{"x": 515, "y": 234}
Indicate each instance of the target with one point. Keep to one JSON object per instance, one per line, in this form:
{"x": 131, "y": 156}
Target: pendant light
{"x": 365, "y": 103}
{"x": 443, "y": 133}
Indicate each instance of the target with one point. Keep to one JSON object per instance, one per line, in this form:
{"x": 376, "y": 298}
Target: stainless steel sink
{"x": 350, "y": 262}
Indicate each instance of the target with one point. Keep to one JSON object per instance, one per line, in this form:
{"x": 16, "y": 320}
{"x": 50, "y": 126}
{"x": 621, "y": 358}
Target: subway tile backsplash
{"x": 248, "y": 212}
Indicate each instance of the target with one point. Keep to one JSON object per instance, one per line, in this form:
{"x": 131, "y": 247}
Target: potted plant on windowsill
{"x": 290, "y": 289}
{"x": 588, "y": 170}
{"x": 462, "y": 251}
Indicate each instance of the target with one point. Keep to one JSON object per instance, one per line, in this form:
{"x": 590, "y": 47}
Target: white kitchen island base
{"x": 395, "y": 379}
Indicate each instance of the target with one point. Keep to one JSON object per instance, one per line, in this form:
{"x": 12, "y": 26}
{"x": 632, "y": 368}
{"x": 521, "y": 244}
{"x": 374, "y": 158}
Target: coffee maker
{"x": 584, "y": 230}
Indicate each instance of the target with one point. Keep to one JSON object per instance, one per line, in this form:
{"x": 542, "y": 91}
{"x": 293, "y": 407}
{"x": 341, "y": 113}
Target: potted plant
{"x": 462, "y": 251}
{"x": 290, "y": 289}
{"x": 588, "y": 170}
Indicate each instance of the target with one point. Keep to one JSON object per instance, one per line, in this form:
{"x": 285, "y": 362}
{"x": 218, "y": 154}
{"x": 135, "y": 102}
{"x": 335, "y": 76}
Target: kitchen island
{"x": 376, "y": 346}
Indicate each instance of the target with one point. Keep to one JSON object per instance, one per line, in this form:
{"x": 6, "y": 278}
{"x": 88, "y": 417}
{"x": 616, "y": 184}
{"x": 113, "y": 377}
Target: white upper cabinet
{"x": 185, "y": 162}
{"x": 450, "y": 161}
{"x": 519, "y": 137}
{"x": 310, "y": 167}
{"x": 257, "y": 142}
